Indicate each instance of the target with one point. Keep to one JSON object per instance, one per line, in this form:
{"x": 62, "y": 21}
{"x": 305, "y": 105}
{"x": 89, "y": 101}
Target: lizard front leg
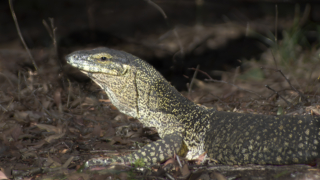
{"x": 157, "y": 151}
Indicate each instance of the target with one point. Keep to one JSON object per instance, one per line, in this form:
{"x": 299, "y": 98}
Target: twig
{"x": 179, "y": 42}
{"x": 69, "y": 92}
{"x": 218, "y": 100}
{"x": 268, "y": 87}
{"x": 236, "y": 74}
{"x": 274, "y": 59}
{"x": 304, "y": 98}
{"x": 306, "y": 15}
{"x": 20, "y": 35}
{"x": 4, "y": 109}
{"x": 220, "y": 81}
{"x": 166, "y": 19}
{"x": 257, "y": 168}
{"x": 199, "y": 11}
{"x": 52, "y": 32}
{"x": 81, "y": 110}
{"x": 178, "y": 159}
{"x": 276, "y": 26}
{"x": 9, "y": 81}
{"x": 45, "y": 110}
{"x": 193, "y": 46}
{"x": 192, "y": 80}
{"x": 30, "y": 172}
{"x": 158, "y": 8}
{"x": 169, "y": 176}
{"x": 19, "y": 85}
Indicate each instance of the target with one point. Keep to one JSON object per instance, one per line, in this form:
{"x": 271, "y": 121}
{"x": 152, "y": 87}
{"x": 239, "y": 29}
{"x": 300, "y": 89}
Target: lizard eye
{"x": 103, "y": 58}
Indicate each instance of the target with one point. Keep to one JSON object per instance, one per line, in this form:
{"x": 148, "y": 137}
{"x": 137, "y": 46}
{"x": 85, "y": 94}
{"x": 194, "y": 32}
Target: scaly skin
{"x": 138, "y": 90}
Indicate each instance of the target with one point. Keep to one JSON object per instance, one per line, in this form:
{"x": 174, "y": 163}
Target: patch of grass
{"x": 294, "y": 42}
{"x": 139, "y": 163}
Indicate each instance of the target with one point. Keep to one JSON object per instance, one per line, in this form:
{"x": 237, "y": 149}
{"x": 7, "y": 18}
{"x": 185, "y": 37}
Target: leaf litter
{"x": 49, "y": 127}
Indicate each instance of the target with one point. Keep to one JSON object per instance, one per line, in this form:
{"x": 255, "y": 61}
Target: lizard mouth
{"x": 78, "y": 63}
{"x": 87, "y": 65}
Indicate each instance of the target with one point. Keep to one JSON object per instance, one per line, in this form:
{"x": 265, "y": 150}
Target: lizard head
{"x": 100, "y": 60}
{"x": 117, "y": 73}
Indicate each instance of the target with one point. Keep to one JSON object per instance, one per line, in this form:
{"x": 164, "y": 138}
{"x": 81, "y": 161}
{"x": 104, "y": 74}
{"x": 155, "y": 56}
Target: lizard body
{"x": 140, "y": 91}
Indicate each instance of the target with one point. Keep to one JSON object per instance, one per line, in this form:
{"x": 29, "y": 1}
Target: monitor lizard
{"x": 190, "y": 130}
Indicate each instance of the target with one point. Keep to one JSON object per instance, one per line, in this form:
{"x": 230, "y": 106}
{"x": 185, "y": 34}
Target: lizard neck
{"x": 160, "y": 105}
{"x": 144, "y": 94}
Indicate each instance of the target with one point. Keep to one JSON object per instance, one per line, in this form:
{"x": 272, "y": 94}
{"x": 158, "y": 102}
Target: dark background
{"x": 139, "y": 28}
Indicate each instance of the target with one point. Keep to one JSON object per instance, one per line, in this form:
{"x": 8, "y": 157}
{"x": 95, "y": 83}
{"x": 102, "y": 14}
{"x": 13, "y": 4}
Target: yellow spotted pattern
{"x": 138, "y": 90}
